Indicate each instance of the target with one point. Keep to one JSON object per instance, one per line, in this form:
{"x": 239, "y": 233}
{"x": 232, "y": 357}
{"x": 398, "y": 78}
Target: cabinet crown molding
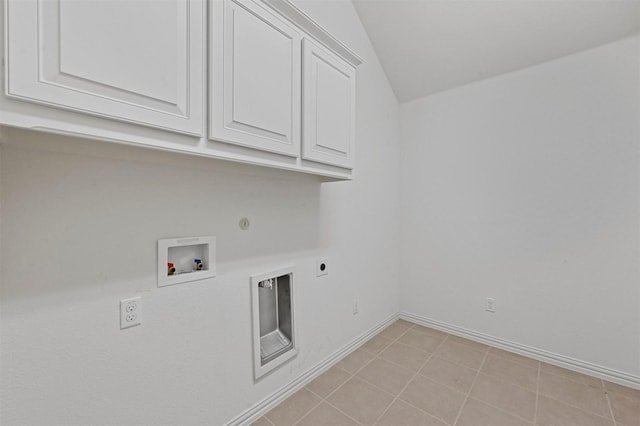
{"x": 311, "y": 27}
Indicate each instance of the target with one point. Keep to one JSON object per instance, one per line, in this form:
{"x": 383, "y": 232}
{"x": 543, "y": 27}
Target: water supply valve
{"x": 268, "y": 284}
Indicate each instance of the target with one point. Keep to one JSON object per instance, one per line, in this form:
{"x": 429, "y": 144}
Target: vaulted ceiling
{"x": 427, "y": 46}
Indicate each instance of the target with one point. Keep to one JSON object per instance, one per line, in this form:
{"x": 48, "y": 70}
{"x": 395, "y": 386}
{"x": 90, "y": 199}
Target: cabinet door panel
{"x": 256, "y": 66}
{"x": 139, "y": 61}
{"x": 329, "y": 107}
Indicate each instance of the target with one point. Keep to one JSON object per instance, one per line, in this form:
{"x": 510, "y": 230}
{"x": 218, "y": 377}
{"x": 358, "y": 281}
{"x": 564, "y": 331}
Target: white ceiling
{"x": 427, "y": 46}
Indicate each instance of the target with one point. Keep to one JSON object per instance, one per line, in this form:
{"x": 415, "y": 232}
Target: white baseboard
{"x": 531, "y": 352}
{"x": 262, "y": 407}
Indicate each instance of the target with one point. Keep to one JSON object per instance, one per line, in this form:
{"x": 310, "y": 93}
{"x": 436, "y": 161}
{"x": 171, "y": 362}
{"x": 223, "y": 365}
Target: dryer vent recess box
{"x": 181, "y": 260}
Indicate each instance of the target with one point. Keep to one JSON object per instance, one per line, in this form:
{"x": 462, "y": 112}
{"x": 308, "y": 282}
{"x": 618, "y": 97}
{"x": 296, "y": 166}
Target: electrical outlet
{"x": 490, "y": 304}
{"x": 322, "y": 266}
{"x": 130, "y": 312}
{"x": 355, "y": 306}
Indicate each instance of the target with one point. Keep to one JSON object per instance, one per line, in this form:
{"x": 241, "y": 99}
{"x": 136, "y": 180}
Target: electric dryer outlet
{"x": 322, "y": 266}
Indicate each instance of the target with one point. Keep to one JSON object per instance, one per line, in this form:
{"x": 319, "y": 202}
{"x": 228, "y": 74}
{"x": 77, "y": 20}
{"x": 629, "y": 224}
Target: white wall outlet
{"x": 130, "y": 312}
{"x": 355, "y": 307}
{"x": 322, "y": 266}
{"x": 490, "y": 304}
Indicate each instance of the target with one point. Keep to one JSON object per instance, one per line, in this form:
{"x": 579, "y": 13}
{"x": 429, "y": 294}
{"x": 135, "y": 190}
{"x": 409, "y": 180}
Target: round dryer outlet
{"x": 322, "y": 266}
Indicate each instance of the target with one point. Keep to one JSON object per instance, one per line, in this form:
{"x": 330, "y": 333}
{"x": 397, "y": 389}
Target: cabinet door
{"x": 328, "y": 106}
{"x": 137, "y": 61}
{"x": 255, "y": 59}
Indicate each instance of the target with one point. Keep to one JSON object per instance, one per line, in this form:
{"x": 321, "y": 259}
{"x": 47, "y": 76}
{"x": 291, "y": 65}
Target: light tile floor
{"x": 413, "y": 375}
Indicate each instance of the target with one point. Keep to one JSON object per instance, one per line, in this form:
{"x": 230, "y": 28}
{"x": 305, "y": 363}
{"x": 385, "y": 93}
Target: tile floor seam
{"x": 569, "y": 378}
{"x": 326, "y": 399}
{"x": 405, "y": 344}
{"x": 354, "y": 375}
{"x": 366, "y": 363}
{"x": 468, "y": 346}
{"x": 535, "y": 410}
{"x": 576, "y": 407}
{"x": 264, "y": 416}
{"x": 511, "y": 359}
{"x": 338, "y": 408}
{"x": 383, "y": 349}
{"x": 374, "y": 385}
{"x": 572, "y": 405}
{"x": 351, "y": 376}
{"x": 396, "y": 397}
{"x": 508, "y": 381}
{"x": 606, "y": 395}
{"x": 453, "y": 362}
{"x": 422, "y": 409}
{"x": 416, "y": 347}
{"x": 495, "y": 407}
{"x": 333, "y": 406}
{"x": 404, "y": 366}
{"x": 440, "y": 383}
{"x": 417, "y": 373}
{"x": 310, "y": 410}
{"x": 613, "y": 416}
{"x": 519, "y": 364}
{"x": 359, "y": 369}
{"x": 466, "y": 398}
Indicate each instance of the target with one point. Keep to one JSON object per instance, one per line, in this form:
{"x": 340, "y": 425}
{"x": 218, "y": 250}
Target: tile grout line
{"x": 582, "y": 409}
{"x": 310, "y": 409}
{"x": 568, "y": 404}
{"x": 343, "y": 413}
{"x": 416, "y": 374}
{"x": 326, "y": 399}
{"x": 323, "y": 399}
{"x": 505, "y": 358}
{"x": 466, "y": 398}
{"x": 502, "y": 410}
{"x": 352, "y": 375}
{"x": 328, "y": 403}
{"x": 431, "y": 356}
{"x": 577, "y": 407}
{"x": 459, "y": 391}
{"x": 570, "y": 378}
{"x": 535, "y": 411}
{"x": 606, "y": 395}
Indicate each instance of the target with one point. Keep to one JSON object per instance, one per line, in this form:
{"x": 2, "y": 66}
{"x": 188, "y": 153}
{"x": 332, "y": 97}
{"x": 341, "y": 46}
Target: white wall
{"x": 525, "y": 188}
{"x": 80, "y": 222}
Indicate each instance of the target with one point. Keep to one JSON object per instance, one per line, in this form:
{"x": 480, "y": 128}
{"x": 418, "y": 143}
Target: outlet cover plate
{"x": 490, "y": 305}
{"x": 130, "y": 312}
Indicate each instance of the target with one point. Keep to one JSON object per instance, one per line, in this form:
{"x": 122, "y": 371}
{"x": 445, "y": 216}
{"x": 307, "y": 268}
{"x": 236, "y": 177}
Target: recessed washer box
{"x": 274, "y": 341}
{"x": 191, "y": 258}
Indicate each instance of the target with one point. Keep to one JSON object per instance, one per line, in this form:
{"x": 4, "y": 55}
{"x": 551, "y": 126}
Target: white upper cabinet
{"x": 281, "y": 89}
{"x": 137, "y": 61}
{"x": 328, "y": 106}
{"x": 256, "y": 70}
